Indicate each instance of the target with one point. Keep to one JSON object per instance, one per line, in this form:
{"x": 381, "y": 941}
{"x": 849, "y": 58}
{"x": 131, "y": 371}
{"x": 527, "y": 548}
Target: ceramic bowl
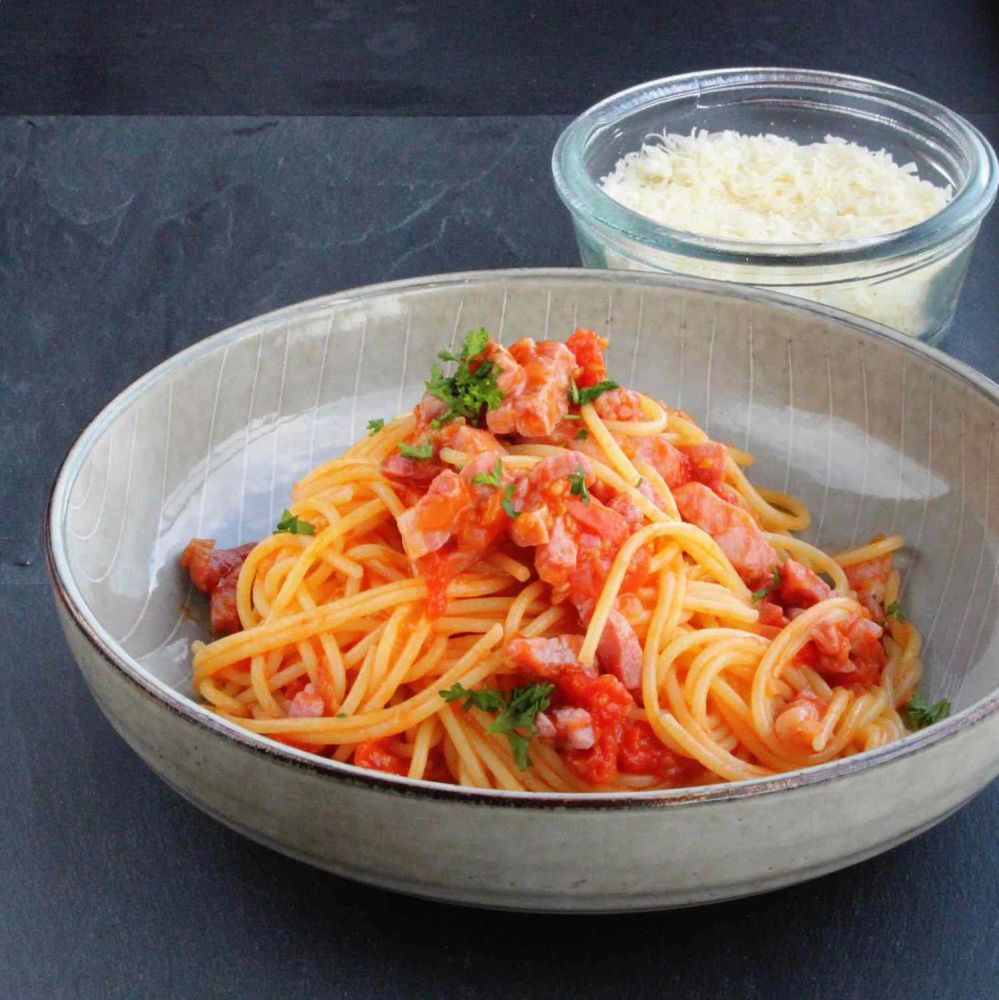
{"x": 873, "y": 430}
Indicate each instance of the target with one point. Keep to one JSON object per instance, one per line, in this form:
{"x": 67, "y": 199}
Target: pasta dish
{"x": 539, "y": 580}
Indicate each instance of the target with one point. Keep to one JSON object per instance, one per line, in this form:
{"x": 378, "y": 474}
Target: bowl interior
{"x": 876, "y": 435}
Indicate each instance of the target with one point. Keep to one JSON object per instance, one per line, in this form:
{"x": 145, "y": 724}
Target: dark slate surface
{"x": 125, "y": 240}
{"x": 455, "y": 57}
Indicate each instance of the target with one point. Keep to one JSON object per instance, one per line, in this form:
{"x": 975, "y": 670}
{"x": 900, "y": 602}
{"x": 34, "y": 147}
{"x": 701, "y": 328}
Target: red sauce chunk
{"x": 216, "y": 572}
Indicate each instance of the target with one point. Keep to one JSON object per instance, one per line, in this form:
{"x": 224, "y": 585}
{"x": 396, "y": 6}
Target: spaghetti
{"x": 538, "y": 580}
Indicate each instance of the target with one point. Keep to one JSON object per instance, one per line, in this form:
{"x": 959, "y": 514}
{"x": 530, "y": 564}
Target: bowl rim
{"x": 71, "y": 601}
{"x": 593, "y": 207}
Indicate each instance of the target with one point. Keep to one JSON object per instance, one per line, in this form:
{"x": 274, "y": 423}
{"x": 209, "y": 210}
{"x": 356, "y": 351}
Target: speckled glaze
{"x": 875, "y": 432}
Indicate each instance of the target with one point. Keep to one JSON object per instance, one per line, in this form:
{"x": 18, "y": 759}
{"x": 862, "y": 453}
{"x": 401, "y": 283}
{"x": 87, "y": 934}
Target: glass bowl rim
{"x": 592, "y": 206}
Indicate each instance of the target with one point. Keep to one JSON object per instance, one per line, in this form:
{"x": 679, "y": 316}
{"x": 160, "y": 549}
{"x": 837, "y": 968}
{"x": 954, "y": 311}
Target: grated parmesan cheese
{"x": 765, "y": 188}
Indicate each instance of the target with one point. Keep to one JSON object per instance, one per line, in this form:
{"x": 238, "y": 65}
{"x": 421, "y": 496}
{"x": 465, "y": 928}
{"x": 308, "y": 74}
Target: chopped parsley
{"x": 578, "y": 481}
{"x": 582, "y": 434}
{"x": 894, "y": 611}
{"x": 468, "y": 392}
{"x": 294, "y": 525}
{"x": 507, "y": 502}
{"x": 638, "y": 485}
{"x": 515, "y": 712}
{"x": 919, "y": 713}
{"x": 494, "y": 478}
{"x": 374, "y": 426}
{"x": 424, "y": 450}
{"x": 580, "y": 397}
{"x": 758, "y": 595}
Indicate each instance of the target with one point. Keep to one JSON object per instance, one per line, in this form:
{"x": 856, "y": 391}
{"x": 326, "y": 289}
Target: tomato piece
{"x": 377, "y": 756}
{"x": 707, "y": 462}
{"x": 642, "y": 752}
{"x": 588, "y": 349}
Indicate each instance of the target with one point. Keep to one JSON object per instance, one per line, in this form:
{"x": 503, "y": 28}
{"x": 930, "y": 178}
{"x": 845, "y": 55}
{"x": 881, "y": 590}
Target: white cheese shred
{"x": 768, "y": 189}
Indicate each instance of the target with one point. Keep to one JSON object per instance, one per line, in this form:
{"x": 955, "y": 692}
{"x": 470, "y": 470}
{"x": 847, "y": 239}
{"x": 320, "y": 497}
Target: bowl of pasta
{"x": 547, "y": 589}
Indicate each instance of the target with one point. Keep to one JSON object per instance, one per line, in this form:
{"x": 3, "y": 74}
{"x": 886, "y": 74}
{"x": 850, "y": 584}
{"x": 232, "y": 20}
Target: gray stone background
{"x": 386, "y": 140}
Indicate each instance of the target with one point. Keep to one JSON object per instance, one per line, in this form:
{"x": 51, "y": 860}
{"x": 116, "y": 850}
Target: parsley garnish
{"x": 424, "y": 450}
{"x": 374, "y": 426}
{"x": 294, "y": 525}
{"x": 638, "y": 485}
{"x": 894, "y": 611}
{"x": 578, "y": 480}
{"x": 582, "y": 434}
{"x": 507, "y": 502}
{"x": 468, "y": 393}
{"x": 758, "y": 595}
{"x": 580, "y": 397}
{"x": 494, "y": 478}
{"x": 515, "y": 712}
{"x": 919, "y": 713}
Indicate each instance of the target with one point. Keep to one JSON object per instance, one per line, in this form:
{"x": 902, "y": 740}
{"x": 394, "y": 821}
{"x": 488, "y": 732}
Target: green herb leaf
{"x": 758, "y": 595}
{"x": 578, "y": 481}
{"x": 582, "y": 434}
{"x": 638, "y": 485}
{"x": 294, "y": 525}
{"x": 374, "y": 426}
{"x": 515, "y": 712}
{"x": 507, "y": 502}
{"x": 424, "y": 450}
{"x": 488, "y": 699}
{"x": 468, "y": 392}
{"x": 894, "y": 611}
{"x": 580, "y": 397}
{"x": 494, "y": 478}
{"x": 919, "y": 713}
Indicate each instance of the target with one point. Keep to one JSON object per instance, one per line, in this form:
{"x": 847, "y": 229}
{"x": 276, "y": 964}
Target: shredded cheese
{"x": 765, "y": 188}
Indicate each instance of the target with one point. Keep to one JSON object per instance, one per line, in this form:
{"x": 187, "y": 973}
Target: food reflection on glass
{"x": 540, "y": 580}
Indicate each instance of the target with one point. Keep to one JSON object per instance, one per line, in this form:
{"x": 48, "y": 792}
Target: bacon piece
{"x": 800, "y": 587}
{"x": 848, "y": 651}
{"x": 416, "y": 472}
{"x": 736, "y": 533}
{"x": 707, "y": 462}
{"x": 623, "y": 504}
{"x": 619, "y": 404}
{"x": 536, "y": 397}
{"x": 588, "y": 349}
{"x": 546, "y": 657}
{"x": 566, "y": 728}
{"x": 216, "y": 573}
{"x": 470, "y": 440}
{"x": 307, "y": 704}
{"x": 428, "y": 409}
{"x": 556, "y": 559}
{"x": 869, "y": 580}
{"x": 428, "y": 525}
{"x": 671, "y": 463}
{"x": 619, "y": 652}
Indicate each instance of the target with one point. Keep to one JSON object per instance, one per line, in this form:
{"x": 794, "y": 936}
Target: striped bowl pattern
{"x": 874, "y": 432}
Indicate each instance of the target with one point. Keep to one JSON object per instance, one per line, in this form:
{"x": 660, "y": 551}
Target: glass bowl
{"x": 909, "y": 279}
